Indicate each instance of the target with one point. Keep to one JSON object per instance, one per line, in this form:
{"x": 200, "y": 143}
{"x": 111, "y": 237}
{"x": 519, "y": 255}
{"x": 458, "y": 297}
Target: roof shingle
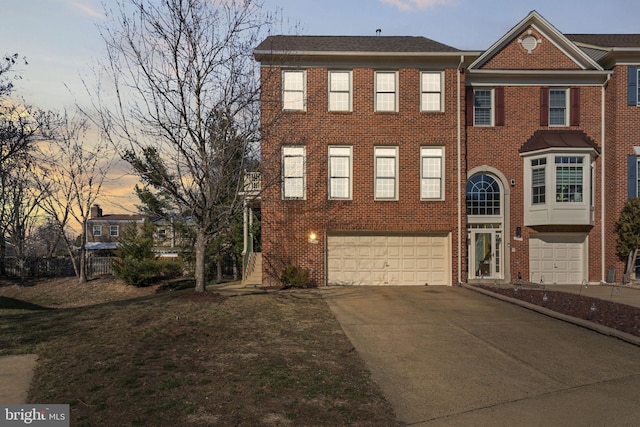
{"x": 373, "y": 44}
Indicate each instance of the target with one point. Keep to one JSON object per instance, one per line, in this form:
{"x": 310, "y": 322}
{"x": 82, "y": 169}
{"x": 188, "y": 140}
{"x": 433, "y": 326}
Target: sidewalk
{"x": 16, "y": 373}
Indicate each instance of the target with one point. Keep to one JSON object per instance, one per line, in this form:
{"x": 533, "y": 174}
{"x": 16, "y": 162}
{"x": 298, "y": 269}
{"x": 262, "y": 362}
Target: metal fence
{"x": 55, "y": 267}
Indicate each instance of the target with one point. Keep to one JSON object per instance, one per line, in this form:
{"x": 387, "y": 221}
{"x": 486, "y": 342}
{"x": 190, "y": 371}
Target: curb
{"x": 604, "y": 330}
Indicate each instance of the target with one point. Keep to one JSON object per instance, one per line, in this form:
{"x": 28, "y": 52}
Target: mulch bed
{"x": 622, "y": 317}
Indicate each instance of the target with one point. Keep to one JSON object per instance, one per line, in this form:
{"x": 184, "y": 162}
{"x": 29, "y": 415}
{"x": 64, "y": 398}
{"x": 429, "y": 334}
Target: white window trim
{"x": 350, "y": 171}
{"x": 376, "y": 155}
{"x": 295, "y": 151}
{"x": 304, "y": 90}
{"x": 441, "y": 92}
{"x": 96, "y": 231}
{"x": 350, "y": 90}
{"x": 567, "y": 104}
{"x": 395, "y": 92}
{"x": 426, "y": 152}
{"x": 117, "y": 229}
{"x": 492, "y": 108}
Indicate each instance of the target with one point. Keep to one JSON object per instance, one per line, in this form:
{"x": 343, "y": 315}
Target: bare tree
{"x": 20, "y": 130}
{"x": 73, "y": 169}
{"x": 186, "y": 103}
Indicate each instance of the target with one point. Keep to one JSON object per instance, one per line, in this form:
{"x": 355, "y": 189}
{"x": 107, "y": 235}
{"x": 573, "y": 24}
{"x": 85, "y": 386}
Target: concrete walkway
{"x": 449, "y": 356}
{"x": 16, "y": 373}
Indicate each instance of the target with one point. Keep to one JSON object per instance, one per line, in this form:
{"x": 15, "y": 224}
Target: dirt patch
{"x": 622, "y": 317}
{"x": 67, "y": 292}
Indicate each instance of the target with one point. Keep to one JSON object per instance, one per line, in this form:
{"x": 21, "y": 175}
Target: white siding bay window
{"x": 558, "y": 188}
{"x": 559, "y": 178}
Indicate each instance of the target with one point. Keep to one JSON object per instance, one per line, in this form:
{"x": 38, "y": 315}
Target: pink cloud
{"x": 415, "y": 4}
{"x": 87, "y": 10}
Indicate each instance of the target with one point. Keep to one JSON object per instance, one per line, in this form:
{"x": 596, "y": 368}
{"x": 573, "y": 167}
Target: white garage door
{"x": 388, "y": 260}
{"x": 557, "y": 259}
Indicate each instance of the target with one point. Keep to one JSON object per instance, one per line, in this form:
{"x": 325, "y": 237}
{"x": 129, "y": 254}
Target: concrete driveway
{"x": 448, "y": 356}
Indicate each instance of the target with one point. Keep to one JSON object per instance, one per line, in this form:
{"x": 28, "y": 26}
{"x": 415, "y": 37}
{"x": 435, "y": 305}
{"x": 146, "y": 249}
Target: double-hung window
{"x": 339, "y": 91}
{"x": 340, "y": 172}
{"x": 386, "y": 83}
{"x": 386, "y": 173}
{"x": 430, "y": 91}
{"x": 569, "y": 186}
{"x": 293, "y": 172}
{"x": 431, "y": 166}
{"x": 538, "y": 181}
{"x": 97, "y": 230}
{"x": 558, "y": 107}
{"x": 114, "y": 231}
{"x": 293, "y": 90}
{"x": 483, "y": 107}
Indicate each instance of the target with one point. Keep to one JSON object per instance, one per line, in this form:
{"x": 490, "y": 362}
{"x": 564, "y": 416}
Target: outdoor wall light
{"x": 313, "y": 237}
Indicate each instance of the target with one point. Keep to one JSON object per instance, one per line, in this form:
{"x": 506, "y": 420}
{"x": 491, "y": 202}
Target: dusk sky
{"x": 60, "y": 40}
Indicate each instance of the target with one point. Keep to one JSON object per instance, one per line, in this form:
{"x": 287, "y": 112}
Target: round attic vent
{"x": 529, "y": 43}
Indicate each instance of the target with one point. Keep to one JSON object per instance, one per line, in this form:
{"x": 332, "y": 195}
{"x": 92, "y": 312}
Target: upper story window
{"x": 114, "y": 231}
{"x": 386, "y": 173}
{"x": 569, "y": 179}
{"x": 293, "y": 90}
{"x": 340, "y": 172}
{"x": 558, "y": 107}
{"x": 483, "y": 107}
{"x": 386, "y": 83}
{"x": 431, "y": 93}
{"x": 431, "y": 167}
{"x": 538, "y": 181}
{"x": 340, "y": 91}
{"x": 293, "y": 173}
{"x": 483, "y": 195}
{"x": 97, "y": 230}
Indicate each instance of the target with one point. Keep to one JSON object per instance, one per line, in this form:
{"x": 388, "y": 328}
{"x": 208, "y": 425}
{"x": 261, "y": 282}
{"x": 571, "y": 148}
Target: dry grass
{"x": 125, "y": 356}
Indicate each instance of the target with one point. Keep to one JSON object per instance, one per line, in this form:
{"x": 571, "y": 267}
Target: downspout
{"x": 459, "y": 166}
{"x": 602, "y": 180}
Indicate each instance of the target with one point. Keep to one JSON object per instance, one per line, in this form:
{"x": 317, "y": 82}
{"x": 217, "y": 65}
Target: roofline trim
{"x": 265, "y": 53}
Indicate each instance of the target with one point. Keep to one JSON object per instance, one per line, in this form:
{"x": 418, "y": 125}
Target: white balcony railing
{"x": 252, "y": 184}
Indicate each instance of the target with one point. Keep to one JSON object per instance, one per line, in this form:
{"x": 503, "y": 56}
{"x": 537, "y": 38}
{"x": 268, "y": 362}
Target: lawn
{"x": 150, "y": 357}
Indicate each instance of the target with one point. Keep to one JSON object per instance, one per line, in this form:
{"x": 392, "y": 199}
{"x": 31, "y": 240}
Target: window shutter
{"x": 499, "y": 100}
{"x": 544, "y": 106}
{"x": 632, "y": 90}
{"x": 574, "y": 119}
{"x": 632, "y": 176}
{"x": 469, "y": 105}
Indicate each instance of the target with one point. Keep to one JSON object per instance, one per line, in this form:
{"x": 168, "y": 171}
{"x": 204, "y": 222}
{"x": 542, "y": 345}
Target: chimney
{"x": 96, "y": 212}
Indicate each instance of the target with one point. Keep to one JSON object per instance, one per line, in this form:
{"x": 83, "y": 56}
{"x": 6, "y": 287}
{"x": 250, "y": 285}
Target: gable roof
{"x": 536, "y": 20}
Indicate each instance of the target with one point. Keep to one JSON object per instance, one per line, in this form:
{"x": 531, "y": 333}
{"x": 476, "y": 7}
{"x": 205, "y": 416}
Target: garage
{"x": 558, "y": 258}
{"x": 388, "y": 260}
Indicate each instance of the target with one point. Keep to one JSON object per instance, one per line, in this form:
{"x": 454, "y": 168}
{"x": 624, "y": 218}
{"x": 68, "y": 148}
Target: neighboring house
{"x": 103, "y": 231}
{"x": 399, "y": 160}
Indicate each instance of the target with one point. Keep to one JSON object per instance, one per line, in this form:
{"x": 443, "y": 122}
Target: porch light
{"x": 313, "y": 237}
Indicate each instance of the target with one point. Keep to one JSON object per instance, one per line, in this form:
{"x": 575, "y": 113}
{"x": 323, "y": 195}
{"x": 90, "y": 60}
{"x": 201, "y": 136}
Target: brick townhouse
{"x": 403, "y": 161}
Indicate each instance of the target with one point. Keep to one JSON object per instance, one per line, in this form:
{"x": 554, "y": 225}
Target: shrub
{"x": 295, "y": 277}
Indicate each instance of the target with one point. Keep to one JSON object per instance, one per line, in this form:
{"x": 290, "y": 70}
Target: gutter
{"x": 459, "y": 169}
{"x": 602, "y": 180}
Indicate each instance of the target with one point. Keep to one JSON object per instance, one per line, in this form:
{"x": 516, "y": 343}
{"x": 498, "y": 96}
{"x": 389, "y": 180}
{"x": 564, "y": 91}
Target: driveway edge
{"x": 632, "y": 339}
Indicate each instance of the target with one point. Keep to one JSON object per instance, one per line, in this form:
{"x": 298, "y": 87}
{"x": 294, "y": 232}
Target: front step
{"x": 254, "y": 271}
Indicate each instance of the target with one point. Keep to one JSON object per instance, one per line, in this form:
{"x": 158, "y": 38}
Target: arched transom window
{"x": 483, "y": 195}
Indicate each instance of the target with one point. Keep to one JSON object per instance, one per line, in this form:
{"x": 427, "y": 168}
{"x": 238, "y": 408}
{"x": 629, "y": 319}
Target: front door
{"x": 485, "y": 254}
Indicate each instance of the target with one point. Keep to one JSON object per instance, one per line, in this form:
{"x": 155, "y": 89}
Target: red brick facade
{"x": 521, "y": 72}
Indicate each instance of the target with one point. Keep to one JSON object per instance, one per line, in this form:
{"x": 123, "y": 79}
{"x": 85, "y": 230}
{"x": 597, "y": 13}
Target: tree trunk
{"x": 219, "y": 270}
{"x": 201, "y": 249}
